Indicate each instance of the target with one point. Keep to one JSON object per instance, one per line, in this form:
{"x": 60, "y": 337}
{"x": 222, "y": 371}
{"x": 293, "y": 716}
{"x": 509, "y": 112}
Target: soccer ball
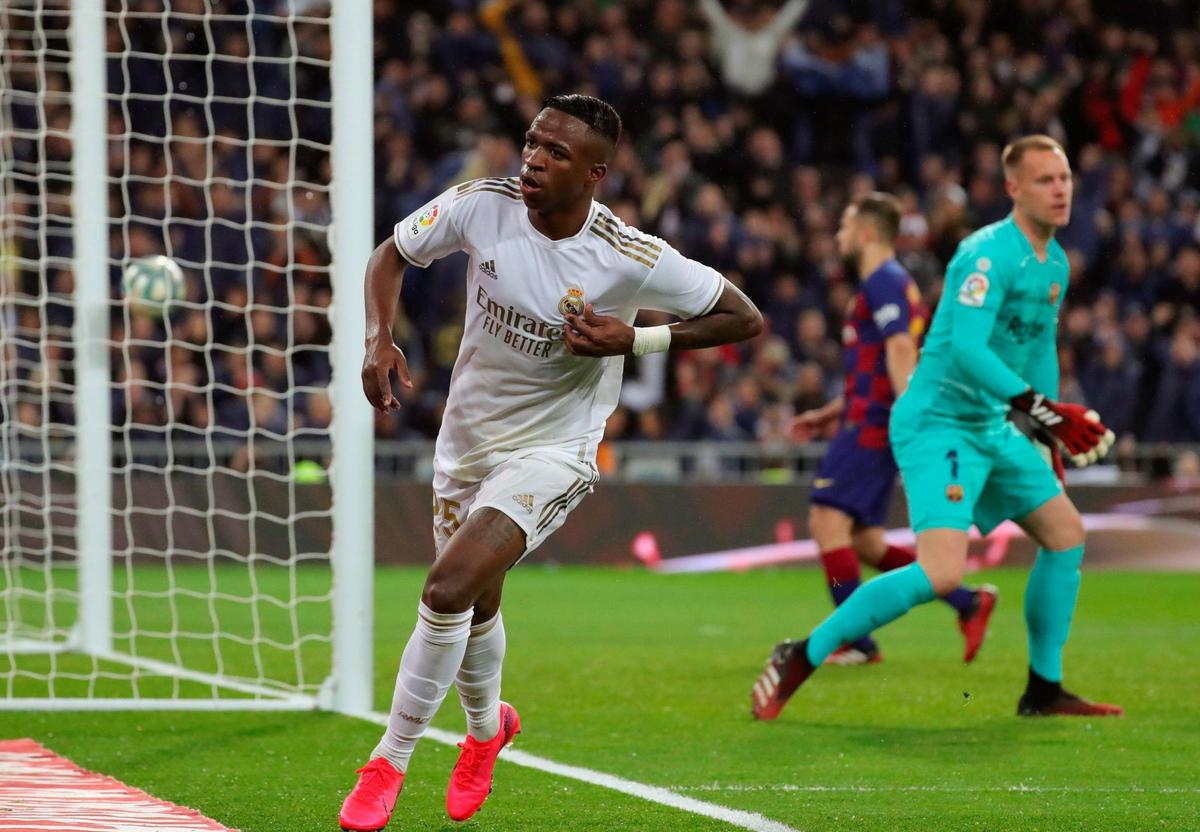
{"x": 150, "y": 283}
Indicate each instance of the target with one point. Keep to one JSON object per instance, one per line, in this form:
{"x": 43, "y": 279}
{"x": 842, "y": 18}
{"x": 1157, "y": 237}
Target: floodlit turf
{"x": 648, "y": 677}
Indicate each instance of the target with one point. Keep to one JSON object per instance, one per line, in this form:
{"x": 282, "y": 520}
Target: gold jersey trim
{"x": 563, "y": 502}
{"x": 505, "y": 187}
{"x": 632, "y": 254}
{"x": 645, "y": 246}
{"x": 500, "y": 191}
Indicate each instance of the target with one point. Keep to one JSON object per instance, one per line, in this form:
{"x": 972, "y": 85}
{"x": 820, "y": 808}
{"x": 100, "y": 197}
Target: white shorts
{"x": 537, "y": 491}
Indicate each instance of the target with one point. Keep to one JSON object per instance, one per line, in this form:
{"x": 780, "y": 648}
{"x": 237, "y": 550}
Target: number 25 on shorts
{"x": 447, "y": 510}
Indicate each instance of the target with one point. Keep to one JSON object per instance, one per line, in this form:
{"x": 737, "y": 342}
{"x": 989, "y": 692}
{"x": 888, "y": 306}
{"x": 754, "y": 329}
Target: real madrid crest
{"x": 572, "y": 302}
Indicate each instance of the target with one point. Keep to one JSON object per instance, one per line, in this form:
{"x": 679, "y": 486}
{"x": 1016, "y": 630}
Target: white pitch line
{"x": 655, "y": 794}
{"x": 1014, "y": 788}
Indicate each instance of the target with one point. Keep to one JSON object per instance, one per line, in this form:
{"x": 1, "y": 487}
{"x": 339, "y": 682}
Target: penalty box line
{"x": 654, "y": 794}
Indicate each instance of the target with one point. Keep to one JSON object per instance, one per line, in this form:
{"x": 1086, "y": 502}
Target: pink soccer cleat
{"x": 369, "y": 805}
{"x": 471, "y": 782}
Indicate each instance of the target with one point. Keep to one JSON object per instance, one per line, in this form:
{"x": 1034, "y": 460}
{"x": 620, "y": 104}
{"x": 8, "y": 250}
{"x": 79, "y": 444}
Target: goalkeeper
{"x": 991, "y": 349}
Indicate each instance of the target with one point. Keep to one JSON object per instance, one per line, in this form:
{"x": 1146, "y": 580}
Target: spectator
{"x": 722, "y": 423}
{"x": 1176, "y": 408}
{"x": 743, "y": 161}
{"x": 747, "y": 40}
{"x": 1107, "y": 384}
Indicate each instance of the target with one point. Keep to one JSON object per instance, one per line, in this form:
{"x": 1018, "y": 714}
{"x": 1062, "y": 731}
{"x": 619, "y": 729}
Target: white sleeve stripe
{"x": 403, "y": 253}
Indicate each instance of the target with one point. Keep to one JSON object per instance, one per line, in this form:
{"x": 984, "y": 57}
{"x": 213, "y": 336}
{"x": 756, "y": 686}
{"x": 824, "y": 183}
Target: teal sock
{"x": 882, "y": 599}
{"x": 1049, "y": 604}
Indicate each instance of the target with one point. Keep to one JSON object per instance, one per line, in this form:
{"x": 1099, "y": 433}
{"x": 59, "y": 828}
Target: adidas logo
{"x": 488, "y": 267}
{"x": 1042, "y": 413}
{"x": 525, "y": 501}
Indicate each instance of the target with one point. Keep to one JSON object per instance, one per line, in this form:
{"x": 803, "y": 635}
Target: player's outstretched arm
{"x": 811, "y": 423}
{"x": 385, "y": 274}
{"x": 734, "y": 317}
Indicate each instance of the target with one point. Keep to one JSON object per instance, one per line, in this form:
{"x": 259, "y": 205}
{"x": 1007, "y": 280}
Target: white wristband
{"x": 651, "y": 339}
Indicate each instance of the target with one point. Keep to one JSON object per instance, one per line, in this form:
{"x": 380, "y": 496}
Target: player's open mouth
{"x": 529, "y": 185}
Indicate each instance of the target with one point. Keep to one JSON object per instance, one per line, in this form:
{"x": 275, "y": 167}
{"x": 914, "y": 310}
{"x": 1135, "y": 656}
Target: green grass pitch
{"x": 648, "y": 676}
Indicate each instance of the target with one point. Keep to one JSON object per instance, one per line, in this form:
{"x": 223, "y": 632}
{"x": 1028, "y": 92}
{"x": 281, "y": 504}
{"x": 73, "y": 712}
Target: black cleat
{"x": 1065, "y": 704}
{"x": 1045, "y": 698}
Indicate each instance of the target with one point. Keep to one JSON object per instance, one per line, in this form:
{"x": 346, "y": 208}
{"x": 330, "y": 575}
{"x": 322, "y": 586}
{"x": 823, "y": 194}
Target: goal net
{"x": 210, "y": 440}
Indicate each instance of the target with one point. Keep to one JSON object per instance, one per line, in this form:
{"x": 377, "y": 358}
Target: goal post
{"x": 187, "y": 497}
{"x": 353, "y": 424}
{"x": 92, "y": 633}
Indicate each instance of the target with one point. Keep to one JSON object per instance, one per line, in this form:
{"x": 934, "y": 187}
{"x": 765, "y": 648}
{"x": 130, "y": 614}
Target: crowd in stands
{"x": 748, "y": 127}
{"x": 218, "y": 155}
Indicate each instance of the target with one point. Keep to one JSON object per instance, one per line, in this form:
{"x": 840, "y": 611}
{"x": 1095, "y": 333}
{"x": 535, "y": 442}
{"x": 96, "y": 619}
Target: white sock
{"x": 432, "y": 657}
{"x": 478, "y": 680}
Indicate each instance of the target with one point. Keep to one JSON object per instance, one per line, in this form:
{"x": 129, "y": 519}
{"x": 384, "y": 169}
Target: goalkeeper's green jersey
{"x": 993, "y": 334}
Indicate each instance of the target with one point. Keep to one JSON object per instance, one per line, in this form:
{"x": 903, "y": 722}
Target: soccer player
{"x": 553, "y": 285}
{"x": 854, "y": 482}
{"x": 991, "y": 349}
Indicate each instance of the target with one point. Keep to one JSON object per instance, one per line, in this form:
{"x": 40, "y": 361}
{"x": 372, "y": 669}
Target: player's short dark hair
{"x": 1015, "y": 151}
{"x": 883, "y": 210}
{"x": 595, "y": 113}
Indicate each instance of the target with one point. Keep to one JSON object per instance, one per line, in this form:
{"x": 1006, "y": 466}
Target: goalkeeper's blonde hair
{"x": 1016, "y": 150}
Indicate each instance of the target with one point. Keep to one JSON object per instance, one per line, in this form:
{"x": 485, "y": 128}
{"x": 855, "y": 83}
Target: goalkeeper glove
{"x": 1076, "y": 429}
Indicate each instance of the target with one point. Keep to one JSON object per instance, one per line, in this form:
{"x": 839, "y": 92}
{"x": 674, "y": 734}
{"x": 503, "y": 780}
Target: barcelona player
{"x": 857, "y": 475}
{"x": 990, "y": 351}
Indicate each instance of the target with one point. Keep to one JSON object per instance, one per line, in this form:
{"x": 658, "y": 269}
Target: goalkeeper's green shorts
{"x": 957, "y": 474}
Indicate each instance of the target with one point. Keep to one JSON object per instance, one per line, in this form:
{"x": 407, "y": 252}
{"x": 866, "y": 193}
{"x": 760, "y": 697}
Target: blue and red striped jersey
{"x": 888, "y": 302}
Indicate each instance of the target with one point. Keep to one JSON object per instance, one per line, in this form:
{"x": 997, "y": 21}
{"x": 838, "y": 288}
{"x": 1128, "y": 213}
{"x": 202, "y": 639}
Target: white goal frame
{"x": 349, "y": 687}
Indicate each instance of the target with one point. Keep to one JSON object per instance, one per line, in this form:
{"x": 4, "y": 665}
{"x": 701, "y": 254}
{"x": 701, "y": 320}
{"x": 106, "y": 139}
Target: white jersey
{"x": 515, "y": 386}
